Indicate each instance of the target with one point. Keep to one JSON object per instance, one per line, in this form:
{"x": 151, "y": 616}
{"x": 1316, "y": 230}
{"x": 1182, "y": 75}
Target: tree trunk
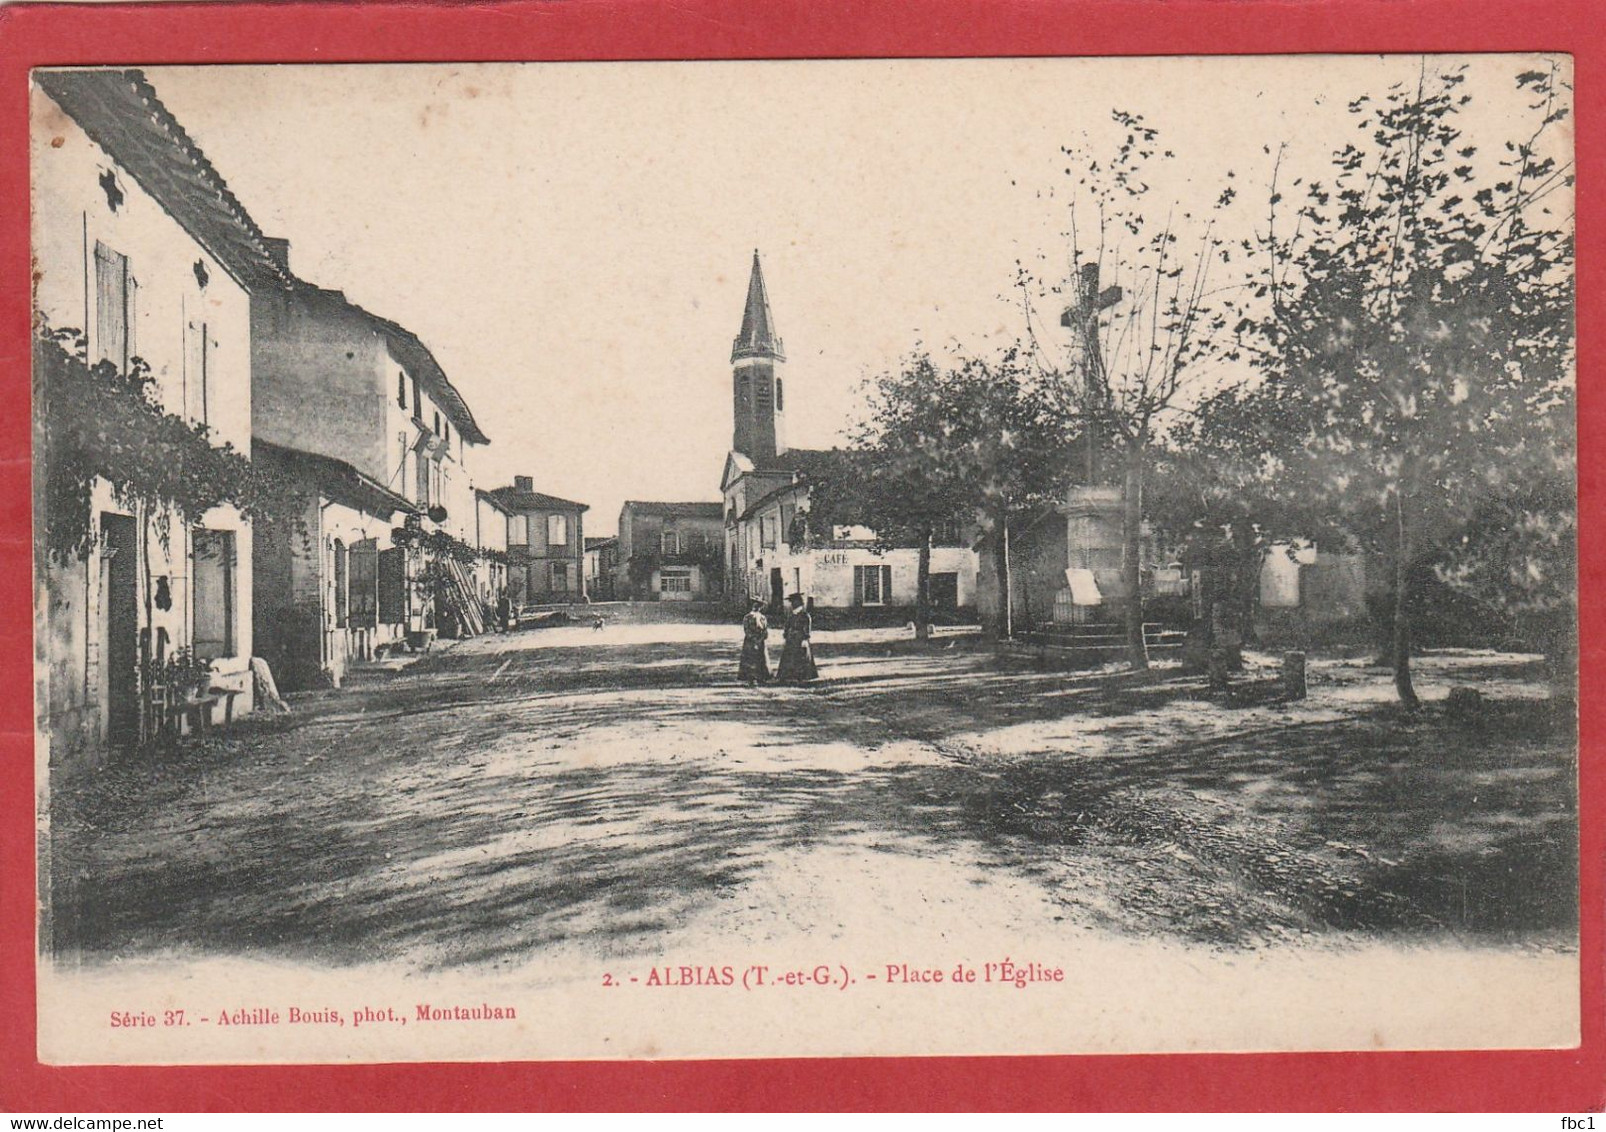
{"x": 923, "y": 592}
{"x": 147, "y": 634}
{"x": 1005, "y": 626}
{"x": 1132, "y": 557}
{"x": 1402, "y": 607}
{"x": 1253, "y": 565}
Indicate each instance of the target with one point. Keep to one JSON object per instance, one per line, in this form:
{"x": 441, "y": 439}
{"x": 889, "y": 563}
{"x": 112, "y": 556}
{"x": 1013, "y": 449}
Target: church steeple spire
{"x": 757, "y": 391}
{"x": 757, "y": 338}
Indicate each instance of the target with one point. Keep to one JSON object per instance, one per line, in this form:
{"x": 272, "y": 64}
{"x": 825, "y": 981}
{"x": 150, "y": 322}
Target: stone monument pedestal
{"x": 1093, "y": 542}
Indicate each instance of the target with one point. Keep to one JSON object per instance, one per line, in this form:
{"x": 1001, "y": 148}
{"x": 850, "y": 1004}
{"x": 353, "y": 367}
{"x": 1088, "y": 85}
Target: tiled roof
{"x": 335, "y": 478}
{"x": 803, "y": 460}
{"x": 493, "y": 500}
{"x": 517, "y": 500}
{"x": 757, "y": 338}
{"x": 678, "y": 510}
{"x": 802, "y": 463}
{"x": 120, "y": 112}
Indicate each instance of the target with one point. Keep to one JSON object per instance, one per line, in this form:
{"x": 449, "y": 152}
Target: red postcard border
{"x": 40, "y": 35}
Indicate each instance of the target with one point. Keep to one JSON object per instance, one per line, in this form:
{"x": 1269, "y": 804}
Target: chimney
{"x": 279, "y": 249}
{"x": 524, "y": 484}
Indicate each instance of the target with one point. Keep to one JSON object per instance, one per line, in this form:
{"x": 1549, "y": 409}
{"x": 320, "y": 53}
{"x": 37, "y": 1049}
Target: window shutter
{"x": 886, "y": 585}
{"x": 858, "y": 585}
{"x": 341, "y": 571}
{"x": 392, "y": 585}
{"x": 111, "y": 306}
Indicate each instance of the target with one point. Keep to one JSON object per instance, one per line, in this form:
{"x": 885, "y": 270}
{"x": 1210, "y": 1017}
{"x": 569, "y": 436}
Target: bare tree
{"x": 1142, "y": 325}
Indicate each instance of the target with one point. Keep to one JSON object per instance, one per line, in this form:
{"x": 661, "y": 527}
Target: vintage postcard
{"x": 805, "y": 559}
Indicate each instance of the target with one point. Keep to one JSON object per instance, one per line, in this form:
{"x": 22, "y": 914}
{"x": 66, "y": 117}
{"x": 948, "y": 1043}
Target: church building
{"x": 770, "y": 549}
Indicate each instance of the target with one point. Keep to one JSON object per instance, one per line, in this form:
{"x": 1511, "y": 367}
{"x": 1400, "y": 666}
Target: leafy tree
{"x": 939, "y": 445}
{"x": 1415, "y": 325}
{"x": 1225, "y": 490}
{"x": 1519, "y": 553}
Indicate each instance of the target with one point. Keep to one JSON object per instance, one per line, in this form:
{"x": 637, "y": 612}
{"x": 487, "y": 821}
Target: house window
{"x": 767, "y": 531}
{"x": 560, "y": 577}
{"x": 518, "y": 531}
{"x": 670, "y": 541}
{"x": 401, "y": 389}
{"x": 675, "y": 581}
{"x": 341, "y": 571}
{"x": 446, "y": 435}
{"x": 213, "y": 587}
{"x": 557, "y": 530}
{"x": 872, "y": 585}
{"x": 437, "y": 422}
{"x": 788, "y": 513}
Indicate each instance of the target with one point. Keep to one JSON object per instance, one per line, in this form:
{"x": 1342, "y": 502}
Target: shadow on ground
{"x": 452, "y": 814}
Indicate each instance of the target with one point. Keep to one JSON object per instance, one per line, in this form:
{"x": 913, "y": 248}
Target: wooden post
{"x": 1294, "y": 675}
{"x": 1006, "y": 584}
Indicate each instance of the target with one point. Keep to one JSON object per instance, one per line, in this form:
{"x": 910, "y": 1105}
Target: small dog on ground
{"x": 597, "y": 624}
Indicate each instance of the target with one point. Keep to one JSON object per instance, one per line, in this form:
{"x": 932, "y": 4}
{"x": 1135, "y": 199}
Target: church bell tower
{"x": 758, "y": 396}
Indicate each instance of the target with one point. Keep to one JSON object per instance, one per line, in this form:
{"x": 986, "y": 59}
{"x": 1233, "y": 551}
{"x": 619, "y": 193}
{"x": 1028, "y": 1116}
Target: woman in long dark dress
{"x": 755, "y": 665}
{"x": 797, "y": 654}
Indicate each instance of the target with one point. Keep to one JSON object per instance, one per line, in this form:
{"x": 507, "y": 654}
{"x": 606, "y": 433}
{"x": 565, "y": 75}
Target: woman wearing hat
{"x": 797, "y": 654}
{"x": 755, "y": 666}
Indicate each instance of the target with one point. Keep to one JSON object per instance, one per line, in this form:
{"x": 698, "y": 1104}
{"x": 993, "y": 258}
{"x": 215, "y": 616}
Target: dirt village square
{"x": 1064, "y": 670}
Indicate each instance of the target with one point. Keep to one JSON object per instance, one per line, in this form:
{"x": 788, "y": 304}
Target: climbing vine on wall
{"x": 437, "y": 544}
{"x": 96, "y": 422}
{"x": 439, "y": 547}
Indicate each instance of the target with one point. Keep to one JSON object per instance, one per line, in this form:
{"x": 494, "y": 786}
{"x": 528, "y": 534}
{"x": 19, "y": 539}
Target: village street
{"x": 611, "y": 792}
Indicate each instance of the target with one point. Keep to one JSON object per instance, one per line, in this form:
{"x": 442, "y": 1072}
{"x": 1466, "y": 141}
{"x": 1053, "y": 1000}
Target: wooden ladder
{"x": 460, "y": 598}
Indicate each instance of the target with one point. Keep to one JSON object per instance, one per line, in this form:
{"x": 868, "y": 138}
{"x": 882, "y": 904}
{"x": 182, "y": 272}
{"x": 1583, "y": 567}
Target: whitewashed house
{"x": 491, "y": 526}
{"x": 359, "y": 409}
{"x": 139, "y": 244}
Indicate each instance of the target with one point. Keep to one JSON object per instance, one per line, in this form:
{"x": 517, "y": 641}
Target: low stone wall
{"x": 887, "y": 616}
